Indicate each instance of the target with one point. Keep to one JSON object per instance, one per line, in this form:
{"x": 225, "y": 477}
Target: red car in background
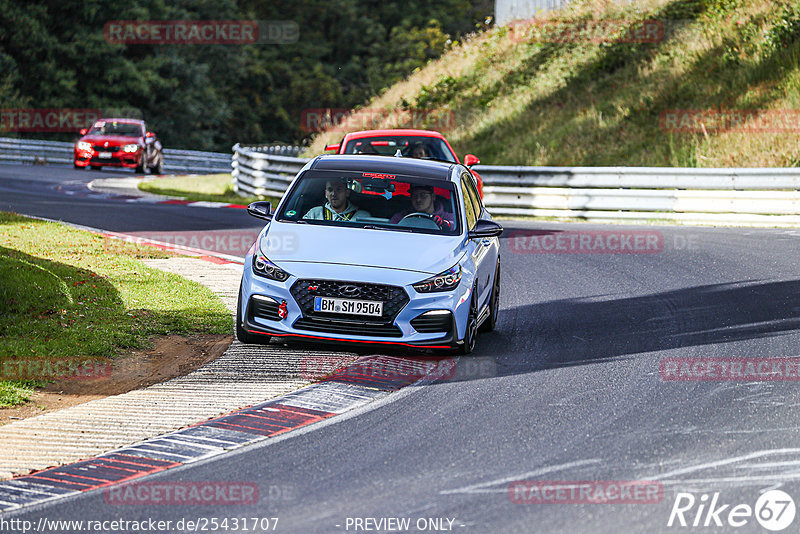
{"x": 424, "y": 144}
{"x": 119, "y": 143}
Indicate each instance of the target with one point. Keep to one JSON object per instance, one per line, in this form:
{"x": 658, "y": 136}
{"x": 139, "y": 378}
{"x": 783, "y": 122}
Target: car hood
{"x": 114, "y": 139}
{"x": 287, "y": 243}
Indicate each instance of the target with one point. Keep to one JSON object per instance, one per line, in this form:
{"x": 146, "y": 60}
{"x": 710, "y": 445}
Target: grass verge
{"x": 195, "y": 187}
{"x": 69, "y": 295}
{"x": 718, "y": 87}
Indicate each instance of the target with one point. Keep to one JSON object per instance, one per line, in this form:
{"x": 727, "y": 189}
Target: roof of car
{"x": 384, "y": 164}
{"x": 390, "y": 132}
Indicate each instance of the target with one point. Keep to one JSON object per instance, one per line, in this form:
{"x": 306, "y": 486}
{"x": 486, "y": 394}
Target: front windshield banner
{"x": 410, "y": 146}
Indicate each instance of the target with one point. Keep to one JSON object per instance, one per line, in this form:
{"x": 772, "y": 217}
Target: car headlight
{"x": 445, "y": 281}
{"x": 264, "y": 267}
{"x": 130, "y": 148}
{"x": 83, "y": 145}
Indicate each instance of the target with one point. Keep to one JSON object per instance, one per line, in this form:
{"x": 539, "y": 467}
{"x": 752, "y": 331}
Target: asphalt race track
{"x": 61, "y": 193}
{"x": 578, "y": 390}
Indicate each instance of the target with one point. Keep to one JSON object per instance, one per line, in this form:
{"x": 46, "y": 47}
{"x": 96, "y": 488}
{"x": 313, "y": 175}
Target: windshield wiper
{"x": 393, "y": 229}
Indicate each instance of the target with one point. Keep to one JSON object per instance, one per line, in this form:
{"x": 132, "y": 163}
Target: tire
{"x": 494, "y": 303}
{"x": 76, "y": 166}
{"x": 471, "y": 332}
{"x": 243, "y": 335}
{"x": 96, "y": 167}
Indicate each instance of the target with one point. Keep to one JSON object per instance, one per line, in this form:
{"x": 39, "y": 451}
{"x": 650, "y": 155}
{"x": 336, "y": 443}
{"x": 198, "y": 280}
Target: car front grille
{"x": 394, "y": 298}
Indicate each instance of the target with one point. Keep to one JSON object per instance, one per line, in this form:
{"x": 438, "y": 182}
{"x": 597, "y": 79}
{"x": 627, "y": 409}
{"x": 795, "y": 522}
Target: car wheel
{"x": 243, "y": 335}
{"x": 494, "y": 303}
{"x": 75, "y": 165}
{"x": 96, "y": 167}
{"x": 468, "y": 343}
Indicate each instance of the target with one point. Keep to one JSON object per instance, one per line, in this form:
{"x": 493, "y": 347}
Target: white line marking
{"x": 700, "y": 467}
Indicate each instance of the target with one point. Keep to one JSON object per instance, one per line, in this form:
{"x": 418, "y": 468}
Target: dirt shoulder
{"x": 170, "y": 357}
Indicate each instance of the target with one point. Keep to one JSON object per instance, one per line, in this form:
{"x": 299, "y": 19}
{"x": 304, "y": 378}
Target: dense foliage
{"x": 55, "y": 55}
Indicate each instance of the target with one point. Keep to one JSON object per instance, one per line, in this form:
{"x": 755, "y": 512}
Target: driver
{"x": 423, "y": 200}
{"x": 338, "y": 206}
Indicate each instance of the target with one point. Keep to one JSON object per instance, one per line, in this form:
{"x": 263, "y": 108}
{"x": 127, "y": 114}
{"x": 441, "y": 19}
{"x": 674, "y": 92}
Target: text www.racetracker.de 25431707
{"x": 196, "y": 524}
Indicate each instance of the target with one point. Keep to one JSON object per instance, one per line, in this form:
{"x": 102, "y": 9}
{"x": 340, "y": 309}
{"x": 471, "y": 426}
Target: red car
{"x": 119, "y": 143}
{"x": 424, "y": 144}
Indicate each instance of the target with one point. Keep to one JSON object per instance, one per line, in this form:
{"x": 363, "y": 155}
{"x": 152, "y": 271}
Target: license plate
{"x": 348, "y": 306}
{"x": 104, "y": 155}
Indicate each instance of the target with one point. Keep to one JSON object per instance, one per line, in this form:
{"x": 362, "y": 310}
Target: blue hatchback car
{"x": 373, "y": 249}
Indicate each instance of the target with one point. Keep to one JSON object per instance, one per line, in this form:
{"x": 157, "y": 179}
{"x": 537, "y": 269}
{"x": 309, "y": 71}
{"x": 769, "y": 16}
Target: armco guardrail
{"x": 751, "y": 197}
{"x": 259, "y": 171}
{"x": 759, "y": 197}
{"x": 60, "y": 153}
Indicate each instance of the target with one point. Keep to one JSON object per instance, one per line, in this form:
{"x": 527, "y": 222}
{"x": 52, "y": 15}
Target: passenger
{"x": 419, "y": 150}
{"x": 338, "y": 206}
{"x": 424, "y": 200}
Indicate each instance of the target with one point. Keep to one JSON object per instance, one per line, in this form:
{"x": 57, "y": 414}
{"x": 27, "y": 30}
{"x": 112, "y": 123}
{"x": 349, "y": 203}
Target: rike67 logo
{"x": 774, "y": 510}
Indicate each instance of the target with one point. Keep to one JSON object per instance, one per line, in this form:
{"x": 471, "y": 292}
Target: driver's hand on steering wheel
{"x": 442, "y": 223}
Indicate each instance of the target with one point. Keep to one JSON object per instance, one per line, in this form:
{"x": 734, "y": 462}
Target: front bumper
{"x": 262, "y": 297}
{"x": 120, "y": 158}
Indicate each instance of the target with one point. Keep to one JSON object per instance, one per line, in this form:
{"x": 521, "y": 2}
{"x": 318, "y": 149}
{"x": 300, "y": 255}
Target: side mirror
{"x": 260, "y": 210}
{"x": 470, "y": 160}
{"x": 485, "y": 228}
{"x": 150, "y": 134}
{"x": 83, "y": 131}
{"x": 333, "y": 146}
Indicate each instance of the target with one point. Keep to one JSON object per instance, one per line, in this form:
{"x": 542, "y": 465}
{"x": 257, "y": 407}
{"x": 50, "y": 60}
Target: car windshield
{"x": 125, "y": 129}
{"x": 406, "y": 145}
{"x": 372, "y": 200}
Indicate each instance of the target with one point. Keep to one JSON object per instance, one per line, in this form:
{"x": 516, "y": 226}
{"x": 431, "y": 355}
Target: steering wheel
{"x": 419, "y": 219}
{"x": 417, "y": 214}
